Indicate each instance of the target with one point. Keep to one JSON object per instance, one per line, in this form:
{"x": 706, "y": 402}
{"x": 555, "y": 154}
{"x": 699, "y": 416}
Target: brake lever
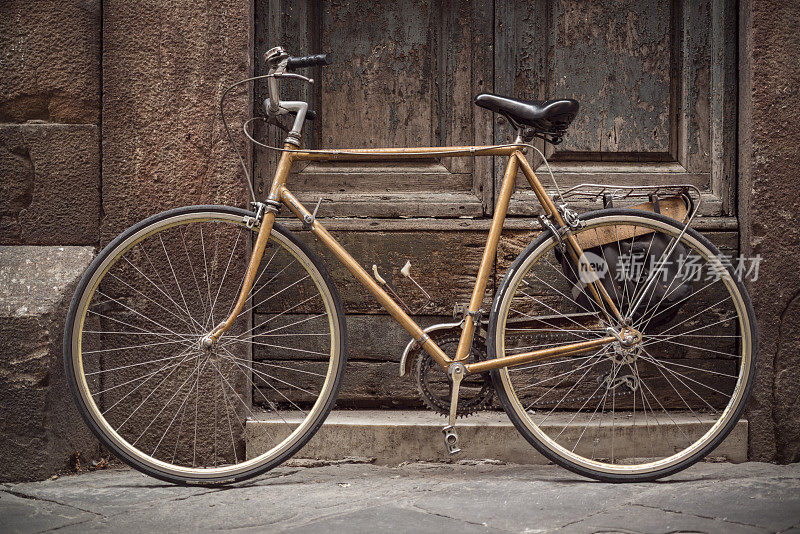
{"x": 291, "y": 75}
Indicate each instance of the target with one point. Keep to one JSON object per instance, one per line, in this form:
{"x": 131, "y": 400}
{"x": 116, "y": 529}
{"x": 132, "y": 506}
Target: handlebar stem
{"x": 273, "y": 103}
{"x": 277, "y": 60}
{"x": 295, "y": 106}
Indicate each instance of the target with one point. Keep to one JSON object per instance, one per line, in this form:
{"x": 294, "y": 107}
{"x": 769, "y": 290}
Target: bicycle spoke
{"x": 170, "y": 399}
{"x": 183, "y": 320}
{"x": 132, "y": 347}
{"x": 246, "y": 332}
{"x": 194, "y": 277}
{"x": 266, "y": 378}
{"x": 663, "y": 391}
{"x": 225, "y": 274}
{"x": 153, "y": 420}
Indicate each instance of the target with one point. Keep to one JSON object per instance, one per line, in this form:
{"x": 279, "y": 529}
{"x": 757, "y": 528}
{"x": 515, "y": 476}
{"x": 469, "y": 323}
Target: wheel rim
{"x": 179, "y": 371}
{"x": 566, "y": 431}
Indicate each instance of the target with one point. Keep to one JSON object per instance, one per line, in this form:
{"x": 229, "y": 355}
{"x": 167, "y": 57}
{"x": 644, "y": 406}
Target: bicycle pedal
{"x": 451, "y": 439}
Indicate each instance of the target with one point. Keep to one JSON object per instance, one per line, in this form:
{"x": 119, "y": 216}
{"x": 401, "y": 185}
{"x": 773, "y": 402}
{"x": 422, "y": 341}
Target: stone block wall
{"x": 50, "y": 211}
{"x": 109, "y": 113}
{"x": 165, "y": 65}
{"x": 50, "y": 61}
{"x": 769, "y": 198}
{"x": 41, "y": 431}
{"x": 49, "y": 122}
{"x": 51, "y": 184}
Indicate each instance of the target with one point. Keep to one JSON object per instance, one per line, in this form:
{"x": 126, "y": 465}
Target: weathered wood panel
{"x": 370, "y": 337}
{"x": 655, "y": 82}
{"x": 350, "y": 224}
{"x": 404, "y": 74}
{"x": 601, "y": 48}
{"x": 366, "y": 385}
{"x": 657, "y": 85}
{"x": 514, "y": 242}
{"x": 672, "y": 386}
{"x": 372, "y": 385}
{"x": 444, "y": 263}
{"x": 376, "y": 341}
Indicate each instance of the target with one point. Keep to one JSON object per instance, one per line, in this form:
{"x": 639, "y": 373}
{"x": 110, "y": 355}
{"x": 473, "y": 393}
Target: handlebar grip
{"x": 308, "y": 61}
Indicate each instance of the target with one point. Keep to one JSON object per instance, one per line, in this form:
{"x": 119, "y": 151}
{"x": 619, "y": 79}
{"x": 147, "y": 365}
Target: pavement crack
{"x": 199, "y": 494}
{"x": 793, "y": 527}
{"x": 724, "y": 520}
{"x": 604, "y": 510}
{"x": 445, "y": 516}
{"x": 35, "y": 498}
{"x": 60, "y": 527}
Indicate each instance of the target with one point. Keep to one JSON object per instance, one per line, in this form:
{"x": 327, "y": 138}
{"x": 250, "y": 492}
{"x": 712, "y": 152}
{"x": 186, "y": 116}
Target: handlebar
{"x": 307, "y": 61}
{"x": 280, "y": 65}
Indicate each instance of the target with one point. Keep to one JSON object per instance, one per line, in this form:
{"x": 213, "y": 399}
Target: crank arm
{"x": 457, "y": 371}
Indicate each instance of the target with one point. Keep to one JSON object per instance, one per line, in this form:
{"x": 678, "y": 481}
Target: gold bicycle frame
{"x": 280, "y": 193}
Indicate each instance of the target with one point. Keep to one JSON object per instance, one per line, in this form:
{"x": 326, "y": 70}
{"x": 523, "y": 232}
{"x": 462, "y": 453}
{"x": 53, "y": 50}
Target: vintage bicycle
{"x": 620, "y": 343}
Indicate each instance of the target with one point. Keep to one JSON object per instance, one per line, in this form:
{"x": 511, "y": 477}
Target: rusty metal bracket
{"x": 462, "y": 311}
{"x": 557, "y": 233}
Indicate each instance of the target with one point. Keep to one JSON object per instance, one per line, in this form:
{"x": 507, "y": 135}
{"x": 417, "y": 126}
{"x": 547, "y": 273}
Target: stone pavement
{"x": 419, "y": 497}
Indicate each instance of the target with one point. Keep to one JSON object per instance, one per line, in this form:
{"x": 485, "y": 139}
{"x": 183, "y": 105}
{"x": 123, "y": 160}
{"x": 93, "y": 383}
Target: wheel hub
{"x": 206, "y": 343}
{"x": 628, "y": 346}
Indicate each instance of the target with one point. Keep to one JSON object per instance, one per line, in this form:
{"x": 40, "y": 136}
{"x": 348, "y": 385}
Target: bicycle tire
{"x": 560, "y": 454}
{"x": 283, "y": 240}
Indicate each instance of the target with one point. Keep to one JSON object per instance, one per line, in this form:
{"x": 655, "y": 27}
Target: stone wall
{"x": 769, "y": 196}
{"x": 108, "y": 114}
{"x": 41, "y": 432}
{"x": 50, "y": 60}
{"x": 165, "y": 65}
{"x": 50, "y": 196}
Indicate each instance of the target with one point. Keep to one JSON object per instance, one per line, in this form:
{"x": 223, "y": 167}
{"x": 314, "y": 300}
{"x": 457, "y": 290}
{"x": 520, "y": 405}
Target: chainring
{"x": 434, "y": 386}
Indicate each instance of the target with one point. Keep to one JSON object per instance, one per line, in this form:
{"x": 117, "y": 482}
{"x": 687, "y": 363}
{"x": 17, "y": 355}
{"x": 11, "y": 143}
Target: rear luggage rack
{"x": 629, "y": 195}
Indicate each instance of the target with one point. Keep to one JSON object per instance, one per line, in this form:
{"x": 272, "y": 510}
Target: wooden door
{"x": 403, "y": 74}
{"x": 656, "y": 80}
{"x": 657, "y": 85}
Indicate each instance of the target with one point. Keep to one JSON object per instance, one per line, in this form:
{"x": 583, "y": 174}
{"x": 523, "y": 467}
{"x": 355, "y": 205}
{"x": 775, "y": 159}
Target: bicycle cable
{"x": 444, "y": 153}
{"x": 345, "y": 152}
{"x": 247, "y": 179}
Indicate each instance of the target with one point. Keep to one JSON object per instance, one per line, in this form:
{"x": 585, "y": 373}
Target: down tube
{"x": 367, "y": 281}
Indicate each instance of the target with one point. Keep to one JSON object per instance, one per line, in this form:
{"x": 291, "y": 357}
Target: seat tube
{"x": 488, "y": 259}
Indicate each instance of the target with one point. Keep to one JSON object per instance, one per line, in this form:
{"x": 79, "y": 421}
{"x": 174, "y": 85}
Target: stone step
{"x": 396, "y": 436}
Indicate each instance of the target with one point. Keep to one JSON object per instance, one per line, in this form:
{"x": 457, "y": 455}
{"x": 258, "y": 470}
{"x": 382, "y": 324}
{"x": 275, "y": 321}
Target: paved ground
{"x": 419, "y": 497}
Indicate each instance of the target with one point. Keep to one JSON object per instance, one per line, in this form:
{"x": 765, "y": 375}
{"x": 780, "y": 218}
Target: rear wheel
{"x": 162, "y": 402}
{"x": 625, "y": 413}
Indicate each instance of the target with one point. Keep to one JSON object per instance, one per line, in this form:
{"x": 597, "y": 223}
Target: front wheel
{"x": 159, "y": 399}
{"x": 625, "y": 413}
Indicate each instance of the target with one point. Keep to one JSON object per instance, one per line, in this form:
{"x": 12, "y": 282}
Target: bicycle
{"x": 159, "y": 338}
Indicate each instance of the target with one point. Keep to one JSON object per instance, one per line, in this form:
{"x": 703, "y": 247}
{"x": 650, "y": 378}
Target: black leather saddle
{"x": 548, "y": 118}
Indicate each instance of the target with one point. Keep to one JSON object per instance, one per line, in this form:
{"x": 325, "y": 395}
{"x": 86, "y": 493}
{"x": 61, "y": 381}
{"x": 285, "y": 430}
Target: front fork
{"x": 271, "y": 207}
{"x": 264, "y": 231}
